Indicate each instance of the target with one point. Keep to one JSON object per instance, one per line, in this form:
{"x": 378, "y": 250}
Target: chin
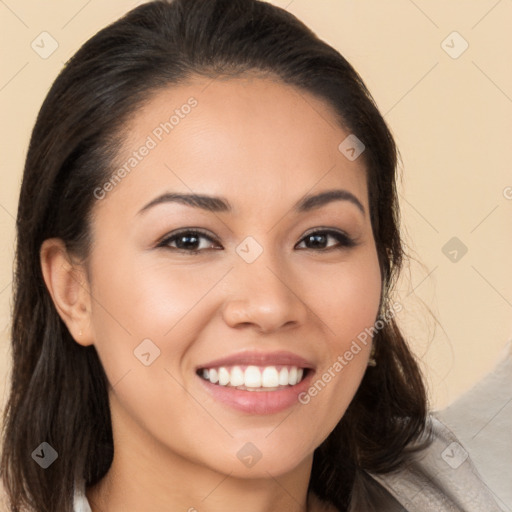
{"x": 261, "y": 457}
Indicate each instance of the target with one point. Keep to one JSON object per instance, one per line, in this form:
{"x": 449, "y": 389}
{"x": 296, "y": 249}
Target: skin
{"x": 263, "y": 146}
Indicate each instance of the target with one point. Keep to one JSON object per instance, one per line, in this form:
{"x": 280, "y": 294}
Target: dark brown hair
{"x": 59, "y": 391}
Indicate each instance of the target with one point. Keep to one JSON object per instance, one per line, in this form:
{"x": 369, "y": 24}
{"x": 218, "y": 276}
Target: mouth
{"x": 257, "y": 383}
{"x": 254, "y": 378}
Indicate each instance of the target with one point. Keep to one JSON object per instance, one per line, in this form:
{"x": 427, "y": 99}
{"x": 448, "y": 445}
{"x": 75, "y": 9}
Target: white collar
{"x": 80, "y": 503}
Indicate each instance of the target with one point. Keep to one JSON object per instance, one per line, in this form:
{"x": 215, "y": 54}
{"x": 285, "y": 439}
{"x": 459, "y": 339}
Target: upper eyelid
{"x": 177, "y": 233}
{"x": 325, "y": 229}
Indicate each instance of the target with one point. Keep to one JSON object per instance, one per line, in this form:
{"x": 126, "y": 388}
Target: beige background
{"x": 452, "y": 119}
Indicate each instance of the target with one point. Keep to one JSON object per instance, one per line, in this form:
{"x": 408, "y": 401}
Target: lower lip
{"x": 258, "y": 402}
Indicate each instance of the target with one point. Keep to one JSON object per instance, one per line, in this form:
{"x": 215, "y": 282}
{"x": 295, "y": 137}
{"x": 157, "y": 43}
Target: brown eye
{"x": 188, "y": 241}
{"x": 319, "y": 240}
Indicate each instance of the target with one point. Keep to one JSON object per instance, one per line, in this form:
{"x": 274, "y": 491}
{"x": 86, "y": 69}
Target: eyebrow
{"x": 219, "y": 204}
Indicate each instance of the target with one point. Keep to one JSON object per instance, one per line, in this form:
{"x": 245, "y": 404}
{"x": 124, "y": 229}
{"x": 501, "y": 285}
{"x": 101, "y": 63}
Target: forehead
{"x": 247, "y": 138}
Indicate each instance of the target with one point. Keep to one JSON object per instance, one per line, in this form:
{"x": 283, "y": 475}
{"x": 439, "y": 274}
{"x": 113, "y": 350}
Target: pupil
{"x": 318, "y": 240}
{"x": 188, "y": 240}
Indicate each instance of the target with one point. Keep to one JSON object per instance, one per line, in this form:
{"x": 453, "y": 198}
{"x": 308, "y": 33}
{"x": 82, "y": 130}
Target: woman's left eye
{"x": 190, "y": 241}
{"x": 318, "y": 240}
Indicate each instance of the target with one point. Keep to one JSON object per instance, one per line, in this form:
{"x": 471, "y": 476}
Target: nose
{"x": 264, "y": 296}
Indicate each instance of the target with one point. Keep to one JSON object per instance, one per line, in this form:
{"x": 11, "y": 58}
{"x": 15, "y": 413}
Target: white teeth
{"x": 223, "y": 377}
{"x": 283, "y": 377}
{"x": 254, "y": 377}
{"x": 237, "y": 376}
{"x": 270, "y": 377}
{"x": 214, "y": 377}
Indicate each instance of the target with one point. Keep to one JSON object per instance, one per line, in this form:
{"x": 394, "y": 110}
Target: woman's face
{"x": 276, "y": 285}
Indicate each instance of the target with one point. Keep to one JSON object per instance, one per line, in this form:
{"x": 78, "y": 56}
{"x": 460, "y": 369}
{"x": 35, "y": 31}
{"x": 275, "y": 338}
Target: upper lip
{"x": 259, "y": 359}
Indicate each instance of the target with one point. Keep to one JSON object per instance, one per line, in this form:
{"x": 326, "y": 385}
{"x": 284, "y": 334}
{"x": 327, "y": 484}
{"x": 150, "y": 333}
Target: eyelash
{"x": 344, "y": 241}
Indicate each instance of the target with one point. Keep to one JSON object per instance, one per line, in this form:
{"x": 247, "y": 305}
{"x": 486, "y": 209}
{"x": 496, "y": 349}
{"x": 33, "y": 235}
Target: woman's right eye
{"x": 188, "y": 241}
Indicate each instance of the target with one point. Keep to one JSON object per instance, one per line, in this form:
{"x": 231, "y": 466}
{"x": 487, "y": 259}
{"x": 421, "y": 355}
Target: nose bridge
{"x": 262, "y": 292}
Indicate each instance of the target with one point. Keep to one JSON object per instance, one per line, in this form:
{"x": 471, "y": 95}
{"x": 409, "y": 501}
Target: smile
{"x": 254, "y": 378}
{"x": 255, "y": 382}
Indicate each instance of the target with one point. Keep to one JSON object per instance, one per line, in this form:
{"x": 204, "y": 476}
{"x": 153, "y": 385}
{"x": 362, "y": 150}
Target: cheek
{"x": 346, "y": 297}
{"x": 358, "y": 308}
{"x": 139, "y": 299}
{"x": 139, "y": 309}
{"x": 347, "y": 300}
{"x": 142, "y": 298}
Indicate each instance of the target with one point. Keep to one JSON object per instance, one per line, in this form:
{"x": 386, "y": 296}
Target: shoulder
{"x": 439, "y": 477}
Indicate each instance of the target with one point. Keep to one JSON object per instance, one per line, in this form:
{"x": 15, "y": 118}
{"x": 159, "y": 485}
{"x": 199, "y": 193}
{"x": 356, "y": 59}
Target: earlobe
{"x": 68, "y": 287}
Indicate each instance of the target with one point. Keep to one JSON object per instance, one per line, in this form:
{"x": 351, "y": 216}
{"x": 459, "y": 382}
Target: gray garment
{"x": 482, "y": 420}
{"x": 440, "y": 478}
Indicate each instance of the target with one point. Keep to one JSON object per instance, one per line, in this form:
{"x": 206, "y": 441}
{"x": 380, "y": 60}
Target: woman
{"x": 207, "y": 241}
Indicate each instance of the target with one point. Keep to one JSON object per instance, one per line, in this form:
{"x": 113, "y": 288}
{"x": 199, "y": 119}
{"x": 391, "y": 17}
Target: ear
{"x": 68, "y": 286}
